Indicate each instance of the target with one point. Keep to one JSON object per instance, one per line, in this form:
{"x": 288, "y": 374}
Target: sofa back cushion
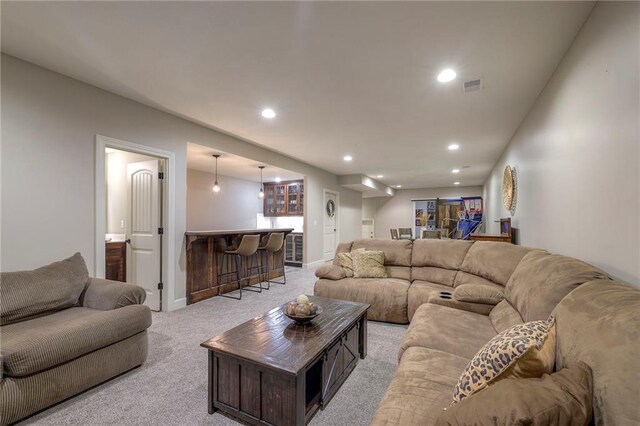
{"x": 599, "y": 323}
{"x": 30, "y": 294}
{"x": 494, "y": 261}
{"x": 541, "y": 280}
{"x": 438, "y": 261}
{"x": 396, "y": 252}
{"x": 504, "y": 316}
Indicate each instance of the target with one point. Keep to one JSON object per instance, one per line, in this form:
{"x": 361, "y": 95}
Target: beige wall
{"x": 49, "y": 125}
{"x": 397, "y": 211}
{"x": 577, "y": 151}
{"x": 236, "y": 206}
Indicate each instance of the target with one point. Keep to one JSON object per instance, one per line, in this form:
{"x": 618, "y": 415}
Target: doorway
{"x": 133, "y": 224}
{"x": 330, "y": 224}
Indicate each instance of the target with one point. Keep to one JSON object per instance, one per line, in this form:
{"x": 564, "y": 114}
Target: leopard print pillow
{"x": 523, "y": 351}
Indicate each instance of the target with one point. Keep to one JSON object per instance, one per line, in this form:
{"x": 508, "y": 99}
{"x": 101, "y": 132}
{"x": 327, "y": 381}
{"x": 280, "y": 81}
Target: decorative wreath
{"x": 509, "y": 189}
{"x": 331, "y": 208}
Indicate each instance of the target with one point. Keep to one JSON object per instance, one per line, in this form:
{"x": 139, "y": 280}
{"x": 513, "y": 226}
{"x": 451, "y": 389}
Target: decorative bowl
{"x": 302, "y": 319}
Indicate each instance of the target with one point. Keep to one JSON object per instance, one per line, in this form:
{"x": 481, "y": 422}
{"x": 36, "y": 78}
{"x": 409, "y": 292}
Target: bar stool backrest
{"x": 275, "y": 241}
{"x": 248, "y": 245}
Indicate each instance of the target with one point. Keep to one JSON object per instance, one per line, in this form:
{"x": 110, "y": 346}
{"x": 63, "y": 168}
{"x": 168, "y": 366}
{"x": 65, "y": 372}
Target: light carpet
{"x": 171, "y": 387}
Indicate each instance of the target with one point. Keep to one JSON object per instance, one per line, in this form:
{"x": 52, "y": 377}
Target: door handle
{"x": 128, "y": 241}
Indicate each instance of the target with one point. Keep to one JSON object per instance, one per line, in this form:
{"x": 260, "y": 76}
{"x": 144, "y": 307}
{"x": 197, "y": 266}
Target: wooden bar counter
{"x": 204, "y": 261}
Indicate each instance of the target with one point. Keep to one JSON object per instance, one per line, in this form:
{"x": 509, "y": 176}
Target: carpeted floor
{"x": 171, "y": 387}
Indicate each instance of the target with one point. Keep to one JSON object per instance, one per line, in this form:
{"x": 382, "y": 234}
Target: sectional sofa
{"x": 64, "y": 332}
{"x": 597, "y": 319}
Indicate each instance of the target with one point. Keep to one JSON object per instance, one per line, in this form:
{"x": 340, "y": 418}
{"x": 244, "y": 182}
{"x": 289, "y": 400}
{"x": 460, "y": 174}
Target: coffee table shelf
{"x": 272, "y": 371}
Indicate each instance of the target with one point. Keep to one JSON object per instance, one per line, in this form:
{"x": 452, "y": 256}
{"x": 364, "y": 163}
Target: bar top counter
{"x": 205, "y": 268}
{"x": 231, "y": 233}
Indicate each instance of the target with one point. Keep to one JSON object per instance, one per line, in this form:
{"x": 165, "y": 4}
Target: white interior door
{"x": 143, "y": 263}
{"x": 329, "y": 228}
{"x": 368, "y": 228}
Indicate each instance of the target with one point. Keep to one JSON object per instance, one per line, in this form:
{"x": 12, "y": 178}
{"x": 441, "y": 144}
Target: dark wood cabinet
{"x": 204, "y": 262}
{"x": 116, "y": 261}
{"x": 284, "y": 198}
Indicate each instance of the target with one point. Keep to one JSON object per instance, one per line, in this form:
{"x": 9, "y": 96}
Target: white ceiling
{"x": 201, "y": 158}
{"x": 344, "y": 77}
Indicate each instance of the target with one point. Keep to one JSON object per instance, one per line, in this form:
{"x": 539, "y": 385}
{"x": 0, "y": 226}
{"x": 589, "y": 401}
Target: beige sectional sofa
{"x": 62, "y": 332}
{"x": 597, "y": 320}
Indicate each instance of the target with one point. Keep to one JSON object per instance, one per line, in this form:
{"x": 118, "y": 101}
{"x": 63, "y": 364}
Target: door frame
{"x": 326, "y": 191}
{"x": 169, "y": 190}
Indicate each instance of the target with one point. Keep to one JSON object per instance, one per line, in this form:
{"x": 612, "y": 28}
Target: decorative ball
{"x": 302, "y": 299}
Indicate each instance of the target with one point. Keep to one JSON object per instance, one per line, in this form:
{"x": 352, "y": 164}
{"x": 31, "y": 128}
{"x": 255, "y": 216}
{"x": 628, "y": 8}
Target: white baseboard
{"x": 177, "y": 304}
{"x": 313, "y": 265}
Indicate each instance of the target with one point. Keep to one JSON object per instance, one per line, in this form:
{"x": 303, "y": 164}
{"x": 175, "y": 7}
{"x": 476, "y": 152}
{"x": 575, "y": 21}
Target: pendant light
{"x": 216, "y": 187}
{"x": 261, "y": 193}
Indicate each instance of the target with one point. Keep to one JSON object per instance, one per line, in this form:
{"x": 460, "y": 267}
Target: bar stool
{"x": 247, "y": 248}
{"x": 274, "y": 244}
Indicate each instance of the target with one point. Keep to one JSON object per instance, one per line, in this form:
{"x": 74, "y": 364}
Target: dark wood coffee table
{"x": 271, "y": 370}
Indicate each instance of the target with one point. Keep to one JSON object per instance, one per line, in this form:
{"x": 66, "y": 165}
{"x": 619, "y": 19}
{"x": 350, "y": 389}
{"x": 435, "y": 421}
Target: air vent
{"x": 472, "y": 85}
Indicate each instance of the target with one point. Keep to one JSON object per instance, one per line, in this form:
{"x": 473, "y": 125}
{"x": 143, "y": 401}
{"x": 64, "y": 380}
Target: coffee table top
{"x": 274, "y": 340}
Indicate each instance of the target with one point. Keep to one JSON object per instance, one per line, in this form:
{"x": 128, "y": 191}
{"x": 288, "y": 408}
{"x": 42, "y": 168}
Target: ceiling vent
{"x": 472, "y": 85}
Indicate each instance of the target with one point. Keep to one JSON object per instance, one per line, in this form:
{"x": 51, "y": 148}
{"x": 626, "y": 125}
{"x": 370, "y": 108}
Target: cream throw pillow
{"x": 368, "y": 264}
{"x": 523, "y": 351}
{"x": 346, "y": 263}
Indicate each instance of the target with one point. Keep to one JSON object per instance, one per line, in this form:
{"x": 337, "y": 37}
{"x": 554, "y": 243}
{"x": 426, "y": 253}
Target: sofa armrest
{"x": 330, "y": 272}
{"x": 105, "y": 295}
{"x": 478, "y": 308}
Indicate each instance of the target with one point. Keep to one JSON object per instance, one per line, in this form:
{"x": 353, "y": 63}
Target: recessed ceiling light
{"x": 453, "y": 147}
{"x": 347, "y": 158}
{"x": 268, "y": 113}
{"x": 278, "y": 179}
{"x": 456, "y": 183}
{"x": 446, "y": 75}
{"x": 398, "y": 186}
{"x": 455, "y": 171}
{"x": 380, "y": 176}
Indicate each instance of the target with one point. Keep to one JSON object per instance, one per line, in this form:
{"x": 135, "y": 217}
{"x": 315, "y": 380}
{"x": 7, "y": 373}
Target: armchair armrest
{"x": 105, "y": 295}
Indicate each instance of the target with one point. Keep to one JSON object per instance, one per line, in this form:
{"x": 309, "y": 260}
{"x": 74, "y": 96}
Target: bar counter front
{"x": 204, "y": 261}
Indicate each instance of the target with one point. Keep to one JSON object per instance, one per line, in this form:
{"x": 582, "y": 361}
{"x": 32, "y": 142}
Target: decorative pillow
{"x": 524, "y": 351}
{"x": 478, "y": 293}
{"x": 345, "y": 260}
{"x": 331, "y": 272}
{"x": 368, "y": 264}
{"x": 29, "y": 294}
{"x": 562, "y": 398}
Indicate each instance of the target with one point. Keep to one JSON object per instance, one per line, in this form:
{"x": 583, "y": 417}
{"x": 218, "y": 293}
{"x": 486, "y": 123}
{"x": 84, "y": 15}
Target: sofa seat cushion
{"x": 387, "y": 296}
{"x": 32, "y": 346}
{"x": 419, "y": 293}
{"x": 449, "y": 330}
{"x": 421, "y": 388}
